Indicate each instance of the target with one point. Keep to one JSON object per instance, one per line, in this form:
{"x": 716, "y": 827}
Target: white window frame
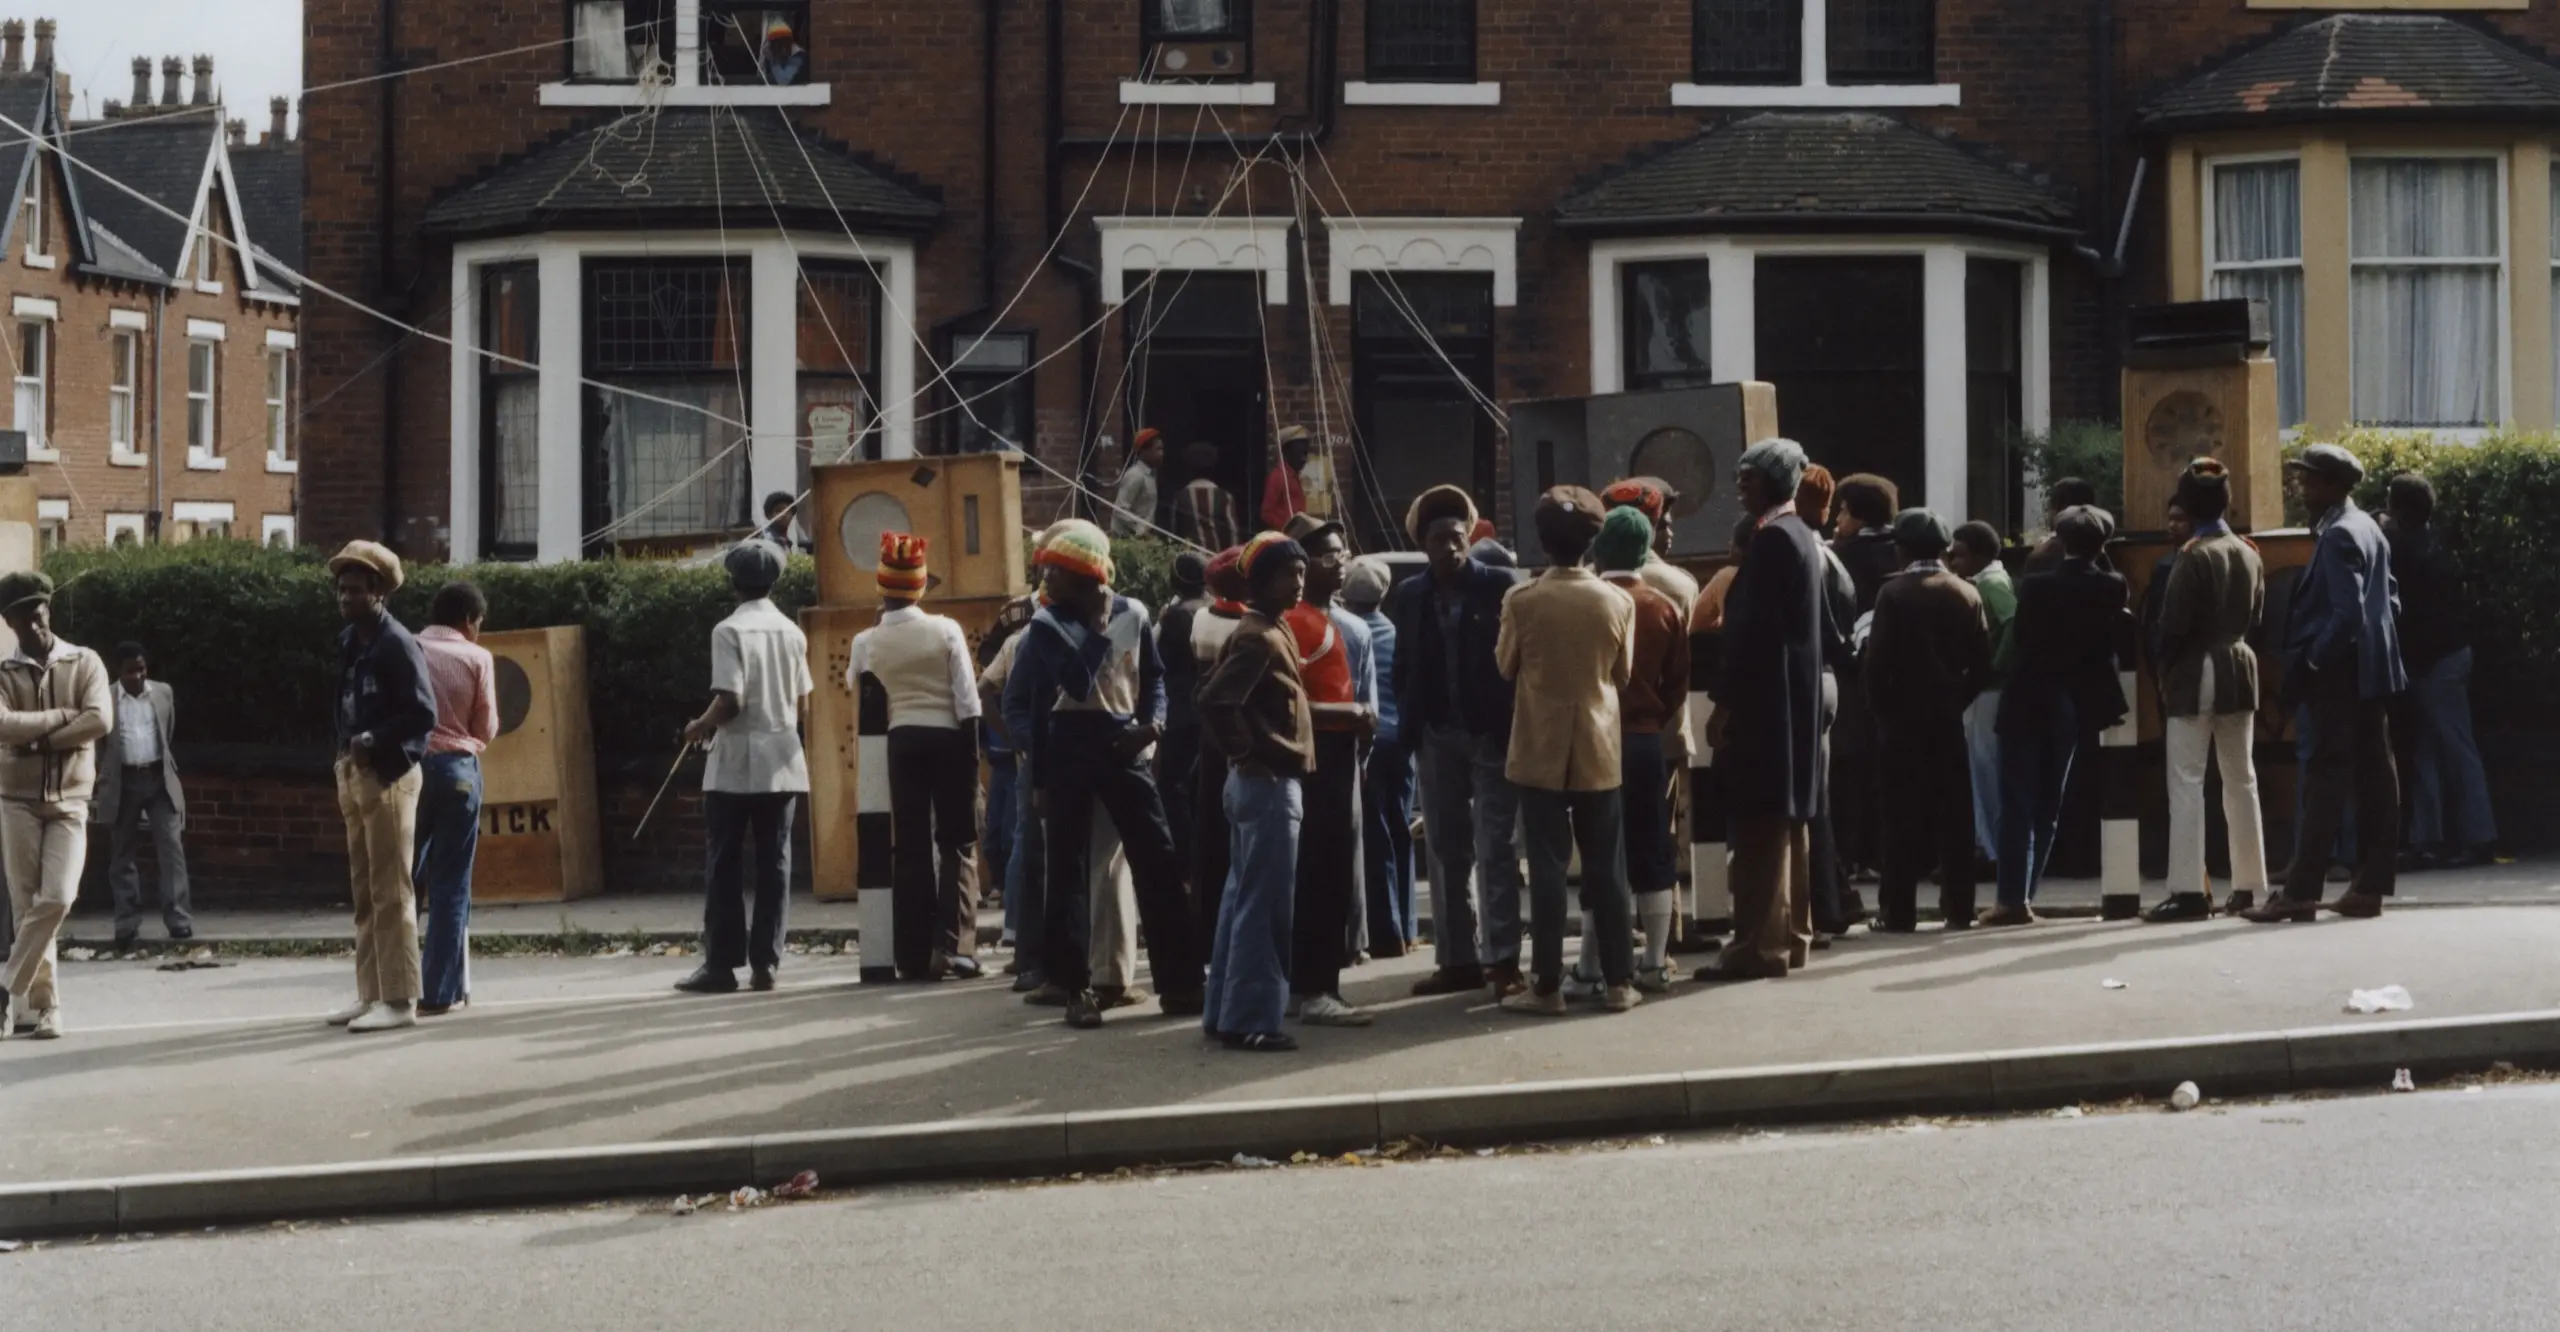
{"x": 274, "y": 524}
{"x": 1361, "y": 92}
{"x": 1813, "y": 86}
{"x": 2504, "y": 324}
{"x": 1733, "y": 335}
{"x": 200, "y": 260}
{"x": 124, "y": 354}
{"x": 36, "y": 246}
{"x": 205, "y": 455}
{"x": 54, "y": 514}
{"x": 1137, "y": 92}
{"x": 121, "y": 523}
{"x": 2214, "y": 267}
{"x": 685, "y": 87}
{"x": 279, "y": 403}
{"x": 196, "y": 513}
{"x": 35, "y": 319}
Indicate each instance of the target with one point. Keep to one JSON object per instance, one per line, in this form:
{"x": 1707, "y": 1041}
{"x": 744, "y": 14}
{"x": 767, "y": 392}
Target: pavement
{"x": 231, "y": 1068}
{"x": 2379, "y": 1213}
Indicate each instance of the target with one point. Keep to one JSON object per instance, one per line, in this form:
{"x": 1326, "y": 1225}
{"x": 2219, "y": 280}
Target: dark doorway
{"x": 1196, "y": 349}
{"x": 1994, "y": 391}
{"x": 1422, "y": 356}
{"x": 1840, "y": 338}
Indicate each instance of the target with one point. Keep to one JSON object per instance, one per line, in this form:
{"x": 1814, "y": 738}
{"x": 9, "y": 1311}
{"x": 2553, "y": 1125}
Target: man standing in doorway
{"x": 1455, "y": 706}
{"x": 386, "y": 709}
{"x": 921, "y": 661}
{"x": 138, "y": 779}
{"x": 2342, "y": 659}
{"x": 54, "y": 707}
{"x": 754, "y": 777}
{"x": 1133, "y": 504}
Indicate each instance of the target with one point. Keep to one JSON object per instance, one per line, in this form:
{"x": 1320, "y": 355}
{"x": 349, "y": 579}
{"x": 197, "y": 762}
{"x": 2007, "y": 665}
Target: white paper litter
{"x": 2111, "y": 983}
{"x": 2070, "y": 1112}
{"x": 1243, "y": 1161}
{"x": 683, "y": 1206}
{"x": 2402, "y": 1082}
{"x": 2388, "y": 999}
{"x": 2186, "y": 1097}
{"x": 78, "y": 954}
{"x": 745, "y": 1196}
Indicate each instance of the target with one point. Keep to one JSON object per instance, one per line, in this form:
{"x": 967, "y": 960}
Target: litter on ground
{"x": 2388, "y": 999}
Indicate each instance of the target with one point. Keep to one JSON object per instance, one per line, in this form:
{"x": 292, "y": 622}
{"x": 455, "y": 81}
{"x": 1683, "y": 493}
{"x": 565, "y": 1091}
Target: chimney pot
{"x": 141, "y": 82}
{"x": 44, "y": 43}
{"x": 172, "y": 70}
{"x": 236, "y": 133}
{"x": 204, "y": 80}
{"x": 278, "y": 109}
{"x": 13, "y": 45}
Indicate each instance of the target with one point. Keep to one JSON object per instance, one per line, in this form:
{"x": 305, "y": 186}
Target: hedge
{"x": 247, "y": 635}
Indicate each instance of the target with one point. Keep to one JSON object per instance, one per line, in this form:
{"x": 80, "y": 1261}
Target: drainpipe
{"x": 159, "y": 325}
{"x": 387, "y": 171}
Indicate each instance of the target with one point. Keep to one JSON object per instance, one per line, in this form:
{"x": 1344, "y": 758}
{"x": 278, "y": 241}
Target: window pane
{"x": 1422, "y": 39}
{"x": 275, "y": 375}
{"x": 1882, "y": 41}
{"x": 602, "y": 48}
{"x": 1391, "y": 306}
{"x": 1664, "y": 316}
{"x": 2426, "y": 345}
{"x": 665, "y": 317}
{"x": 2420, "y": 208}
{"x": 200, "y": 424}
{"x": 673, "y": 470}
{"x": 511, "y": 300}
{"x": 1748, "y": 41}
{"x": 31, "y": 350}
{"x": 2281, "y": 289}
{"x": 121, "y": 358}
{"x": 516, "y": 461}
{"x": 839, "y": 311}
{"x": 199, "y": 367}
{"x": 999, "y": 415}
{"x": 2257, "y": 212}
{"x": 1194, "y": 18}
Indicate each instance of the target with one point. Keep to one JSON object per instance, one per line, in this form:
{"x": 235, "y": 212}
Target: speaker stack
{"x": 538, "y": 828}
{"x": 1689, "y": 437}
{"x": 969, "y": 510}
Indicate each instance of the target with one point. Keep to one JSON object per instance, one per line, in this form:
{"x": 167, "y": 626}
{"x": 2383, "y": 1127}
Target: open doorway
{"x": 1196, "y": 348}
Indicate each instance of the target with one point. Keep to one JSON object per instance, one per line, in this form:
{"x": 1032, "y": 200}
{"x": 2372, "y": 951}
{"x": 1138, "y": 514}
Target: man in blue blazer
{"x": 2342, "y": 661}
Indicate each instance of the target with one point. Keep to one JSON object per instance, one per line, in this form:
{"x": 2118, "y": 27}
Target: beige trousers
{"x": 44, "y": 845}
{"x": 382, "y": 836}
{"x": 2225, "y": 738}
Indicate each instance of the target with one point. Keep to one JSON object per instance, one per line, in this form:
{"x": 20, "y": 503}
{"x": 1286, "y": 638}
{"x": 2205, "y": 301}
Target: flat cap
{"x": 753, "y": 565}
{"x": 2331, "y": 461}
{"x": 2084, "y": 527}
{"x": 1365, "y": 584}
{"x": 373, "y": 557}
{"x": 18, "y": 589}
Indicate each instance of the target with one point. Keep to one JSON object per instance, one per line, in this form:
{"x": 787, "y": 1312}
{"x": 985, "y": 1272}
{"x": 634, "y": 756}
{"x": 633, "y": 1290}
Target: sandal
{"x": 1260, "y": 1042}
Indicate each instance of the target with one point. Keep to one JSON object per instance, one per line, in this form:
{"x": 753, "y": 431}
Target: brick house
{"x": 154, "y": 363}
{"x": 681, "y": 257}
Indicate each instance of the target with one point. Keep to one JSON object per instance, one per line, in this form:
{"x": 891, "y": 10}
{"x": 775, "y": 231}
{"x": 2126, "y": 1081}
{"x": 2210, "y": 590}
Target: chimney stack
{"x": 172, "y": 70}
{"x": 236, "y": 133}
{"x": 277, "y": 109}
{"x": 44, "y": 44}
{"x": 204, "y": 80}
{"x": 13, "y": 45}
{"x": 141, "y": 82}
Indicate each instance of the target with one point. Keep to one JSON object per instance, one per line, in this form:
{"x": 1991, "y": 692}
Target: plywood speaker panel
{"x": 538, "y": 830}
{"x": 969, "y": 508}
{"x": 1689, "y": 437}
{"x": 835, "y": 733}
{"x": 2176, "y": 414}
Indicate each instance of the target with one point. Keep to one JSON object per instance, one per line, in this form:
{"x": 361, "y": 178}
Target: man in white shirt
{"x": 754, "y": 777}
{"x": 1133, "y": 506}
{"x": 138, "y": 778}
{"x": 920, "y": 661}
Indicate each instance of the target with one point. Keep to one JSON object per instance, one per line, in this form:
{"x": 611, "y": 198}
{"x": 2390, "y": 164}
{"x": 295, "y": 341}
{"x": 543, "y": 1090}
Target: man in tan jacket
{"x": 2209, "y": 697}
{"x": 54, "y": 704}
{"x": 1568, "y": 645}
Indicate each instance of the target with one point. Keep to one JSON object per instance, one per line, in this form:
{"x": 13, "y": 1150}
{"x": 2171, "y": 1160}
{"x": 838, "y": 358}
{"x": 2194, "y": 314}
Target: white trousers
{"x": 2190, "y": 741}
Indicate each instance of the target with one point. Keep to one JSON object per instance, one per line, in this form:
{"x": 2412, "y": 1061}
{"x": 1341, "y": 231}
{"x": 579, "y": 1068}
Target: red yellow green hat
{"x": 902, "y": 569}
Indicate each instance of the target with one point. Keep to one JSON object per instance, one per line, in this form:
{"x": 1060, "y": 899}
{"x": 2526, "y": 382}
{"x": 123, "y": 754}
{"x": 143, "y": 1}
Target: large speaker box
{"x": 1690, "y": 437}
{"x": 2198, "y": 383}
{"x": 538, "y": 831}
{"x": 969, "y": 507}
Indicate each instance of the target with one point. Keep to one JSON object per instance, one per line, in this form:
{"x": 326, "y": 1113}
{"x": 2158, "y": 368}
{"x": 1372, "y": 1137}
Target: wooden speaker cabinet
{"x": 1689, "y": 437}
{"x": 842, "y": 788}
{"x": 969, "y": 507}
{"x": 538, "y": 830}
{"x": 2206, "y": 402}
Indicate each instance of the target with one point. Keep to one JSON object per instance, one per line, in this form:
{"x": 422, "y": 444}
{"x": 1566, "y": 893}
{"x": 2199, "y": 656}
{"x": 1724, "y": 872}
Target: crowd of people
{"x": 1234, "y": 779}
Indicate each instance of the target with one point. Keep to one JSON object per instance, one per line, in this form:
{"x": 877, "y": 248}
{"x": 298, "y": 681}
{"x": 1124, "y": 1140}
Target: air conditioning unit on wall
{"x": 1172, "y": 61}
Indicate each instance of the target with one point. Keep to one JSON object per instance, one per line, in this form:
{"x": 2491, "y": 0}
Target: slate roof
{"x": 22, "y": 99}
{"x": 269, "y": 176}
{"x": 2366, "y": 67}
{"x": 686, "y": 166}
{"x": 1828, "y": 170}
{"x": 162, "y": 157}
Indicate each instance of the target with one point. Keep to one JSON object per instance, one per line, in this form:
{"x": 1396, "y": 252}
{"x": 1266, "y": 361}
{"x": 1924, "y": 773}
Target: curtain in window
{"x": 2425, "y": 330}
{"x": 660, "y": 457}
{"x": 2257, "y": 219}
{"x": 1667, "y": 328}
{"x": 1193, "y": 18}
{"x": 600, "y": 50}
{"x": 516, "y": 402}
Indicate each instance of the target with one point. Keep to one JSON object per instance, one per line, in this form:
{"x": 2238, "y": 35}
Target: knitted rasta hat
{"x": 1226, "y": 575}
{"x": 1266, "y": 552}
{"x": 902, "y": 572}
{"x": 1077, "y": 546}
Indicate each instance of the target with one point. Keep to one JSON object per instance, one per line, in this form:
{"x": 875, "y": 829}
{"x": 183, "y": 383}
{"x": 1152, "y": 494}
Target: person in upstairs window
{"x": 785, "y": 62}
{"x": 464, "y": 678}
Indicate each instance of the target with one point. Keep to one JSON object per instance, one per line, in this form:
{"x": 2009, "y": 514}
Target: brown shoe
{"x": 1799, "y": 956}
{"x": 1995, "y": 917}
{"x": 1505, "y": 979}
{"x": 1450, "y": 980}
{"x": 2278, "y": 910}
{"x": 2357, "y": 906}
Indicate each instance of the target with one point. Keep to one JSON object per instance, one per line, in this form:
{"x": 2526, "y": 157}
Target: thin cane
{"x": 662, "y": 792}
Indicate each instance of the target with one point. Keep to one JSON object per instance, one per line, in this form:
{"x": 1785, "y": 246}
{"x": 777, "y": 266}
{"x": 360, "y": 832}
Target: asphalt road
{"x": 2435, "y": 1211}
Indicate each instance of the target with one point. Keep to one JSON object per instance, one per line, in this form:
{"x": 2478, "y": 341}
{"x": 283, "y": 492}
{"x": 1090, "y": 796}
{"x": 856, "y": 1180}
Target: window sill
{"x": 39, "y": 261}
{"x": 37, "y": 453}
{"x": 283, "y": 466}
{"x": 1421, "y": 94}
{"x": 205, "y": 462}
{"x": 123, "y": 458}
{"x": 1134, "y": 93}
{"x": 1816, "y": 95}
{"x": 209, "y": 288}
{"x": 721, "y": 94}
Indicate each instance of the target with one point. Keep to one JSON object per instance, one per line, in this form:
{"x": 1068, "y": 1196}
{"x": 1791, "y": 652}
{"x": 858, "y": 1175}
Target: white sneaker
{"x": 350, "y": 1013}
{"x": 48, "y": 1024}
{"x": 8, "y": 1017}
{"x": 385, "y": 1016}
{"x": 1656, "y": 980}
{"x": 1578, "y": 986}
{"x": 1620, "y": 998}
{"x": 1326, "y": 1011}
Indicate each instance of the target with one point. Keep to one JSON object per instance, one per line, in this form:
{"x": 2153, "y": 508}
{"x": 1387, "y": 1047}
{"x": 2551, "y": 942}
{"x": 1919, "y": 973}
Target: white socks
{"x": 1653, "y": 915}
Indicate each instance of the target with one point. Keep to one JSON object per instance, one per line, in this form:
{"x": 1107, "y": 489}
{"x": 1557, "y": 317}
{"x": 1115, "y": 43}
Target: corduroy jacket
{"x": 51, "y": 715}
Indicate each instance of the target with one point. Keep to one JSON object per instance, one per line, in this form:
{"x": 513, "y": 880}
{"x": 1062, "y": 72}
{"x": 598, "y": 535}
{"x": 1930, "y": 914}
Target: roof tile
{"x": 2366, "y": 67}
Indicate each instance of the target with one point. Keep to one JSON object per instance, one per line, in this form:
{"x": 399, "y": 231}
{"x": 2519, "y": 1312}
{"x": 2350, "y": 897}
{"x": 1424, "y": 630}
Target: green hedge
{"x": 247, "y": 635}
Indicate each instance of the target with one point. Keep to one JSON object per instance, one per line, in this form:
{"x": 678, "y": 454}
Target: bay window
{"x": 668, "y": 456}
{"x": 837, "y": 327}
{"x": 2427, "y": 258}
{"x": 2255, "y": 250}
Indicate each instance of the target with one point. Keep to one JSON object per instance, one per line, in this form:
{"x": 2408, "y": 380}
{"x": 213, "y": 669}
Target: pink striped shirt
{"x": 464, "y": 678}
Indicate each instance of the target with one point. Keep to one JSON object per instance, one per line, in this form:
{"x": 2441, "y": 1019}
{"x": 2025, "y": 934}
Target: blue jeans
{"x": 1248, "y": 988}
{"x": 995, "y": 850}
{"x": 1386, "y": 802}
{"x": 1471, "y": 816}
{"x": 2035, "y": 765}
{"x": 448, "y": 840}
{"x": 1982, "y": 756}
{"x": 1023, "y": 877}
{"x": 2450, "y": 807}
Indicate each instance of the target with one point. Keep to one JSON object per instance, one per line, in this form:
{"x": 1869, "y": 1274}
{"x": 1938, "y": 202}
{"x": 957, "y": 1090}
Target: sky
{"x": 256, "y": 47}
